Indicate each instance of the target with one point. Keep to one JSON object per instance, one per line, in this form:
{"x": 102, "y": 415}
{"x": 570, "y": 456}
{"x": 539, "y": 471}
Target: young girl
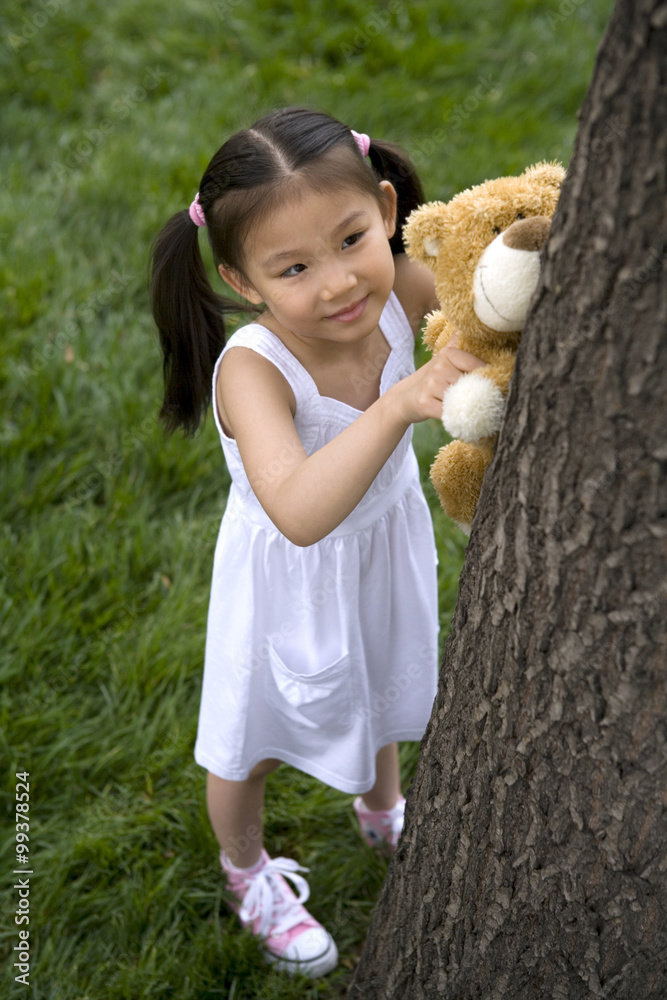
{"x": 322, "y": 634}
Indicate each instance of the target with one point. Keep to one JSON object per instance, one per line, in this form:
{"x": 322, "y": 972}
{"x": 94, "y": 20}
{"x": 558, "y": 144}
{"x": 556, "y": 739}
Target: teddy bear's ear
{"x": 548, "y": 175}
{"x": 424, "y": 231}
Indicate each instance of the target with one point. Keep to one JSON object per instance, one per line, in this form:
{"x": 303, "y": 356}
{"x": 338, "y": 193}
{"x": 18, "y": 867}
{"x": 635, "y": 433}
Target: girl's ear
{"x": 242, "y": 287}
{"x": 388, "y": 207}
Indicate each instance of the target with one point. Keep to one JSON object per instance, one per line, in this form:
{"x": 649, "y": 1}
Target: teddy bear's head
{"x": 484, "y": 246}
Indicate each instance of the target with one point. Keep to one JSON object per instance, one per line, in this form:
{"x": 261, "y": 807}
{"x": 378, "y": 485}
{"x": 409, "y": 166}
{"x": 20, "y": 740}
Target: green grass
{"x": 110, "y": 112}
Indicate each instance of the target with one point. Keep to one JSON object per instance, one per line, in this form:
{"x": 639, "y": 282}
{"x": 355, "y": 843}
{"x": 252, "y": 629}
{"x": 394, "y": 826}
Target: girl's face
{"x": 322, "y": 263}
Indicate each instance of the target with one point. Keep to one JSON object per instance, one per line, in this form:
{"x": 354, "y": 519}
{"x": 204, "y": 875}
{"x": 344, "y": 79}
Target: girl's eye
{"x": 349, "y": 241}
{"x": 292, "y": 271}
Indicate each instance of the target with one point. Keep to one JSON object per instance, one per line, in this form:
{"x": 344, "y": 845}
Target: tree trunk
{"x": 534, "y": 861}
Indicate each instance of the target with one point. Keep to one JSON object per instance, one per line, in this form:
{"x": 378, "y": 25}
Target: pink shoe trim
{"x": 267, "y": 906}
{"x": 238, "y": 879}
{"x": 381, "y": 827}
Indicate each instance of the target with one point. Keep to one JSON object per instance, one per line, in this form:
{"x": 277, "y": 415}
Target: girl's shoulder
{"x": 254, "y": 335}
{"x": 414, "y": 287}
{"x": 250, "y": 368}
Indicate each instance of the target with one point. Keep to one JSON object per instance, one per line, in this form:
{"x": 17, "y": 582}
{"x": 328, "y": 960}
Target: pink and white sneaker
{"x": 381, "y": 829}
{"x": 293, "y": 940}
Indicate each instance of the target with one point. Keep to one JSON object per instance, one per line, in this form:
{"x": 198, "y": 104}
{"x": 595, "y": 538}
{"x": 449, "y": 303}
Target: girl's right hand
{"x": 420, "y": 395}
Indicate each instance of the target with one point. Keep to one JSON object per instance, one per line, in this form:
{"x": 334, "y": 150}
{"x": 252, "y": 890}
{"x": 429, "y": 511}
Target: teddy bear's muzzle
{"x": 507, "y": 274}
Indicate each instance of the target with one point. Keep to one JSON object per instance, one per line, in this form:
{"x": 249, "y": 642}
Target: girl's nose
{"x": 337, "y": 283}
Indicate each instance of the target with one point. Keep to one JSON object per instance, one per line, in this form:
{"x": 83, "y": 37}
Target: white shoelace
{"x": 267, "y": 900}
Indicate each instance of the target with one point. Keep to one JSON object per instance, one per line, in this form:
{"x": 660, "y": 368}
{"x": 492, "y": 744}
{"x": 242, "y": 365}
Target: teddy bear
{"x": 483, "y": 247}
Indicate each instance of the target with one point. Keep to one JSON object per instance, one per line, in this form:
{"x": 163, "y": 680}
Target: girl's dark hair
{"x": 249, "y": 176}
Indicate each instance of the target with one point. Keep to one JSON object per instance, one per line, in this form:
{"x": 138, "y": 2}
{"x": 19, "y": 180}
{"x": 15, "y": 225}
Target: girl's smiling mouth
{"x": 350, "y": 313}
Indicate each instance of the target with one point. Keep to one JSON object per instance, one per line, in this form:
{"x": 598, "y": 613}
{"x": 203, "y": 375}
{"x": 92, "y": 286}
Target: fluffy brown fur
{"x": 450, "y": 239}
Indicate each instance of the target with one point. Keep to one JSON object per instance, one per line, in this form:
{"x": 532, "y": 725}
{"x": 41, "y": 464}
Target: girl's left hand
{"x": 419, "y": 396}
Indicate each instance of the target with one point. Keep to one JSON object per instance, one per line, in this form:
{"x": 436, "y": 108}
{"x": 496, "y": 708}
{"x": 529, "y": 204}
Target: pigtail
{"x": 391, "y": 164}
{"x": 189, "y": 318}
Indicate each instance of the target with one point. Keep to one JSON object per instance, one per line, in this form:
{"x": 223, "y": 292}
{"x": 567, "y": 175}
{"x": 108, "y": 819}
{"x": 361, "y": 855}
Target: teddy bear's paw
{"x": 473, "y": 408}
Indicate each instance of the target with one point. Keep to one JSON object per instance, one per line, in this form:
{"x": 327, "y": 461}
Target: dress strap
{"x": 264, "y": 342}
{"x": 397, "y": 330}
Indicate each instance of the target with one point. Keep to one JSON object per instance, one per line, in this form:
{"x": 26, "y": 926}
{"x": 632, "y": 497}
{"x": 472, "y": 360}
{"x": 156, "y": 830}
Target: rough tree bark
{"x": 534, "y": 861}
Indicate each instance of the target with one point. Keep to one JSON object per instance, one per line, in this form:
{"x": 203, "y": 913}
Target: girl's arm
{"x": 306, "y": 497}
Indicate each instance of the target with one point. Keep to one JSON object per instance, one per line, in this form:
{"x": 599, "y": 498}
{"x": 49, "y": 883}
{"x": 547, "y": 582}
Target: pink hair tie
{"x": 362, "y": 141}
{"x": 197, "y": 212}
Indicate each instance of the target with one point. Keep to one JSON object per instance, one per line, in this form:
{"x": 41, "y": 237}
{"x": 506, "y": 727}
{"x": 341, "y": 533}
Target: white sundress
{"x": 321, "y": 655}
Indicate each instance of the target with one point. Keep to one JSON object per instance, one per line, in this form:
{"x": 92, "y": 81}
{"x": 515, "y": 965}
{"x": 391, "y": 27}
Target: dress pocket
{"x": 321, "y": 700}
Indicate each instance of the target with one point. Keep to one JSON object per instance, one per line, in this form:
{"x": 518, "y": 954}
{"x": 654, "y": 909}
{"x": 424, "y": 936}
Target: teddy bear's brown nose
{"x": 527, "y": 234}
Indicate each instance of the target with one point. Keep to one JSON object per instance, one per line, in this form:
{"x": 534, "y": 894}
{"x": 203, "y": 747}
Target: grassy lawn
{"x": 110, "y": 112}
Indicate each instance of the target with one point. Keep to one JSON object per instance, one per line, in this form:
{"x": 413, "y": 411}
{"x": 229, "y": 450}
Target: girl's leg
{"x": 235, "y": 809}
{"x": 386, "y": 791}
{"x": 381, "y": 810}
{"x": 291, "y": 937}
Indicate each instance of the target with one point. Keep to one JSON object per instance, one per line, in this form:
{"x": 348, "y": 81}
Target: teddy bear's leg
{"x": 457, "y": 475}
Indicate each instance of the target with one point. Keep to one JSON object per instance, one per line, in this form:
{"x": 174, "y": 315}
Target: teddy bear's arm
{"x": 438, "y": 331}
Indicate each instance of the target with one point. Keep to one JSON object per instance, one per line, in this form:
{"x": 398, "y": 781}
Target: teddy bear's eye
{"x": 520, "y": 216}
{"x": 497, "y": 230}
